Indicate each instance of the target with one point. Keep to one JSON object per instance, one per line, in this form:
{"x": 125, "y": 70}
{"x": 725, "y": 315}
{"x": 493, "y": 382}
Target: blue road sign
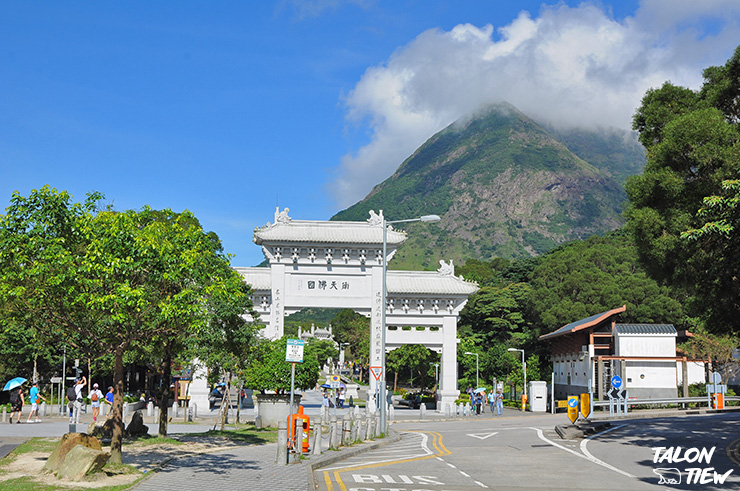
{"x": 573, "y": 402}
{"x": 616, "y": 381}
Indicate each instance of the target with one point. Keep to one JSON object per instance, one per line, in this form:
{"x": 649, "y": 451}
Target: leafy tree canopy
{"x": 693, "y": 145}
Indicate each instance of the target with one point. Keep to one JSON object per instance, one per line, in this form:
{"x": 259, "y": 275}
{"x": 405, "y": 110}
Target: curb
{"x": 664, "y": 414}
{"x": 346, "y": 453}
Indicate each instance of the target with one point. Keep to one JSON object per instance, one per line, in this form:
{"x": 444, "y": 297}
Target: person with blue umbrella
{"x": 16, "y": 396}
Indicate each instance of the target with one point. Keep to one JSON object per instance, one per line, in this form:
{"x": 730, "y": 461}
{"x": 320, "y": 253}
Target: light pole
{"x": 381, "y": 392}
{"x": 436, "y": 374}
{"x": 524, "y": 368}
{"x": 477, "y": 382}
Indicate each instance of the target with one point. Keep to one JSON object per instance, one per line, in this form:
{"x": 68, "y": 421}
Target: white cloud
{"x": 573, "y": 65}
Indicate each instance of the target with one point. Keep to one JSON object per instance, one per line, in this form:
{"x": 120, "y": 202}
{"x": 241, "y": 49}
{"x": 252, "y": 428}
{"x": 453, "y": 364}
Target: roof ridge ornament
{"x": 375, "y": 219}
{"x": 282, "y": 216}
{"x": 446, "y": 269}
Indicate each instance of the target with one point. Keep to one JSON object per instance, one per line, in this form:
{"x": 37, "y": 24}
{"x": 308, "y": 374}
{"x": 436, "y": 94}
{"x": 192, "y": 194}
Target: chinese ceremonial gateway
{"x": 328, "y": 264}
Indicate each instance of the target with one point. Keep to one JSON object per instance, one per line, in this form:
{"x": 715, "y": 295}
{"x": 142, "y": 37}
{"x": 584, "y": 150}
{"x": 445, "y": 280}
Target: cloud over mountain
{"x": 574, "y": 66}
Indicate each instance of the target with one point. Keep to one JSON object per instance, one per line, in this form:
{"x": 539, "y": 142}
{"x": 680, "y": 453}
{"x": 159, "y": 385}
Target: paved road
{"x": 519, "y": 452}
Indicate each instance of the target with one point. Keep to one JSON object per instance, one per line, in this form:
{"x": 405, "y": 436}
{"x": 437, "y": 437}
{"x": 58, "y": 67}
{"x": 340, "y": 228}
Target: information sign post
{"x": 293, "y": 354}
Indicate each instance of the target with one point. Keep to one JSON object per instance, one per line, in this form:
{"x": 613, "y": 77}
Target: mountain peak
{"x": 504, "y": 187}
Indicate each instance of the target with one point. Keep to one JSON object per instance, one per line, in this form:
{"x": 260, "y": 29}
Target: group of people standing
{"x": 494, "y": 399}
{"x": 75, "y": 399}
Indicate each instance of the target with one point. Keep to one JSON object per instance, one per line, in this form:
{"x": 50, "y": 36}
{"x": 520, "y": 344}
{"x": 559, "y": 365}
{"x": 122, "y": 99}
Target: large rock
{"x": 81, "y": 461}
{"x": 65, "y": 445}
{"x": 101, "y": 429}
{"x": 137, "y": 427}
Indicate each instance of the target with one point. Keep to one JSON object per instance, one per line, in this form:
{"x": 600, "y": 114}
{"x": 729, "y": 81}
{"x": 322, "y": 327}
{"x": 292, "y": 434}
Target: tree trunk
{"x": 164, "y": 400}
{"x": 117, "y": 437}
{"x": 395, "y": 380}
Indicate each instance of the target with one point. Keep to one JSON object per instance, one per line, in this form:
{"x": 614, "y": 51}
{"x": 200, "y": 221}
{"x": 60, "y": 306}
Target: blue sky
{"x": 229, "y": 108}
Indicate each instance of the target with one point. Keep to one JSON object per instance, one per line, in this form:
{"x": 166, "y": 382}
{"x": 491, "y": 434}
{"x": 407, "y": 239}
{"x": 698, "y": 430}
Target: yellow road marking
{"x": 436, "y": 443}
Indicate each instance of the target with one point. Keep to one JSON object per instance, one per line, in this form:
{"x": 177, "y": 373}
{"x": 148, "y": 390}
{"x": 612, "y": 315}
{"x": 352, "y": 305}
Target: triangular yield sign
{"x": 377, "y": 372}
{"x": 482, "y": 436}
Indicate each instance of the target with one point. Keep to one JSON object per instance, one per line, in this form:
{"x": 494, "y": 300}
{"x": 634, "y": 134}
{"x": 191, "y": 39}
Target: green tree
{"x": 323, "y": 349}
{"x": 497, "y": 314}
{"x": 106, "y": 282}
{"x": 267, "y": 369}
{"x": 584, "y": 278}
{"x": 412, "y": 359}
{"x": 693, "y": 145}
{"x": 354, "y": 329}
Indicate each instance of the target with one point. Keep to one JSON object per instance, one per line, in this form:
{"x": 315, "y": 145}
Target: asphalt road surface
{"x": 526, "y": 453}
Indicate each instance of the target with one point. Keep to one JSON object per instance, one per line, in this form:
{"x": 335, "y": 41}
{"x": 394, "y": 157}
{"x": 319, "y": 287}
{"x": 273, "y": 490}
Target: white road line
{"x": 480, "y": 484}
{"x": 590, "y": 457}
{"x": 466, "y": 475}
{"x": 451, "y": 465}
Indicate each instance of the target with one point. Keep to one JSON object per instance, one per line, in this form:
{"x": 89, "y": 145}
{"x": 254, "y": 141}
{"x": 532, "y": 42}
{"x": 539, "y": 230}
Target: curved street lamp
{"x": 381, "y": 392}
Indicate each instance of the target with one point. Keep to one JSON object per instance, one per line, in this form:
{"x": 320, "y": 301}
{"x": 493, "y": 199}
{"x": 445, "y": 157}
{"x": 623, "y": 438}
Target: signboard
{"x": 716, "y": 378}
{"x": 585, "y": 404}
{"x": 613, "y": 394}
{"x": 333, "y": 381}
{"x": 294, "y": 350}
{"x": 573, "y": 408}
{"x": 56, "y": 380}
{"x": 616, "y": 381}
{"x": 562, "y": 404}
{"x": 377, "y": 372}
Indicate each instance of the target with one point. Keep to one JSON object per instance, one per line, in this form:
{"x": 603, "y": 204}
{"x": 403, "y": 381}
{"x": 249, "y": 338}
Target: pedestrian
{"x": 109, "y": 400}
{"x": 16, "y": 403}
{"x": 95, "y": 397}
{"x": 483, "y": 401}
{"x": 34, "y": 397}
{"x": 77, "y": 404}
{"x": 340, "y": 399}
{"x": 492, "y": 400}
{"x": 478, "y": 403}
{"x": 499, "y": 402}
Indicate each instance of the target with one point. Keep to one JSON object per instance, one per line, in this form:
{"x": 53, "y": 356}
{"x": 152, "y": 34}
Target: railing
{"x": 676, "y": 400}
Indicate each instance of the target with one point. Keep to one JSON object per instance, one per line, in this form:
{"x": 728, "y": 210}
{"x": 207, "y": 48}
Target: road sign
{"x": 562, "y": 404}
{"x": 716, "y": 378}
{"x": 333, "y": 381}
{"x": 622, "y": 394}
{"x": 56, "y": 380}
{"x": 616, "y": 381}
{"x": 377, "y": 372}
{"x": 573, "y": 408}
{"x": 613, "y": 394}
{"x": 294, "y": 350}
{"x": 585, "y": 404}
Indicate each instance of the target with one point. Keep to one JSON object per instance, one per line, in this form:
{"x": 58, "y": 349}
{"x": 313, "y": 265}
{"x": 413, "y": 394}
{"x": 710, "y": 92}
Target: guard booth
{"x": 538, "y": 396}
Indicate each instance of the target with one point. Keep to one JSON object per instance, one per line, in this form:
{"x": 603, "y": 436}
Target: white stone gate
{"x": 340, "y": 265}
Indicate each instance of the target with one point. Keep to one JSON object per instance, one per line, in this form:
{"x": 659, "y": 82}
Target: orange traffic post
{"x": 305, "y": 422}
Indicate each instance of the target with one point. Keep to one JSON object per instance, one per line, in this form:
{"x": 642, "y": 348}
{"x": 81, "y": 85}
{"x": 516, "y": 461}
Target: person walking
{"x": 77, "y": 403}
{"x": 109, "y": 400}
{"x": 95, "y": 397}
{"x": 16, "y": 403}
{"x": 34, "y": 397}
{"x": 478, "y": 403}
{"x": 499, "y": 402}
{"x": 492, "y": 400}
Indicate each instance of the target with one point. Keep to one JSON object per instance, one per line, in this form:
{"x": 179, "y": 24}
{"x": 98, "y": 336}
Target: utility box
{"x": 538, "y": 396}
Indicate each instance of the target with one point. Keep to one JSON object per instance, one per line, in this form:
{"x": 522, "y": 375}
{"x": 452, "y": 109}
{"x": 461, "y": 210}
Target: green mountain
{"x": 504, "y": 187}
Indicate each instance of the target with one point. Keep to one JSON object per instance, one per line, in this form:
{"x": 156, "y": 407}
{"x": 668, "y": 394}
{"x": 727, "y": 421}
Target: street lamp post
{"x": 524, "y": 368}
{"x": 436, "y": 374}
{"x": 381, "y": 392}
{"x": 477, "y": 382}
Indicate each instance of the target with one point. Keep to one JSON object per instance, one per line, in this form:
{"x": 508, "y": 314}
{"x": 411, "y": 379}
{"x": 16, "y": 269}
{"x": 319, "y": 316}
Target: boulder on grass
{"x": 137, "y": 427}
{"x": 81, "y": 461}
{"x": 65, "y": 445}
{"x": 101, "y": 429}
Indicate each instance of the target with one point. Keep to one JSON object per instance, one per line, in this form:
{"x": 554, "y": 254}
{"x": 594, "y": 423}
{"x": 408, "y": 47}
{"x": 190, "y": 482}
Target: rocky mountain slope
{"x": 505, "y": 186}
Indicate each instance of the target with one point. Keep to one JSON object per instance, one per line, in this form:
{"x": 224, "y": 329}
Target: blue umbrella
{"x": 480, "y": 389}
{"x": 16, "y": 382}
{"x": 325, "y": 386}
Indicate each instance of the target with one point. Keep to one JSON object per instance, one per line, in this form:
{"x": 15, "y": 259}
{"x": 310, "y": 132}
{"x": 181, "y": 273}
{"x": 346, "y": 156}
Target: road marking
{"x": 436, "y": 443}
{"x": 590, "y": 457}
{"x": 482, "y": 436}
